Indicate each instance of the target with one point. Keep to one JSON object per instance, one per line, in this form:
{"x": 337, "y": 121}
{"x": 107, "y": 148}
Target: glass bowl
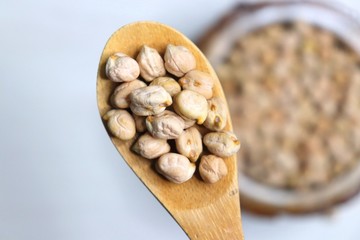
{"x": 216, "y": 45}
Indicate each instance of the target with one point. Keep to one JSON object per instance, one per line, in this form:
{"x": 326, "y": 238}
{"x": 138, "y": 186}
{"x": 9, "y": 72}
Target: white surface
{"x": 60, "y": 176}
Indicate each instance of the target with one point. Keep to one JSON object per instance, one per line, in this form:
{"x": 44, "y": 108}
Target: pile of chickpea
{"x": 169, "y": 105}
{"x": 294, "y": 95}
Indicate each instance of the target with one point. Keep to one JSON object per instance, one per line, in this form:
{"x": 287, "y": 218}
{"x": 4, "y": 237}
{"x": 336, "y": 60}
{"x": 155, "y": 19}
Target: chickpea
{"x": 199, "y": 82}
{"x": 217, "y": 115}
{"x": 175, "y": 167}
{"x": 222, "y": 144}
{"x": 149, "y": 100}
{"x": 340, "y": 150}
{"x": 151, "y": 64}
{"x": 179, "y": 60}
{"x": 170, "y": 85}
{"x": 121, "y": 124}
{"x": 166, "y": 125}
{"x": 191, "y": 105}
{"x": 212, "y": 168}
{"x": 121, "y": 68}
{"x": 120, "y": 97}
{"x": 317, "y": 170}
{"x": 149, "y": 147}
{"x": 189, "y": 144}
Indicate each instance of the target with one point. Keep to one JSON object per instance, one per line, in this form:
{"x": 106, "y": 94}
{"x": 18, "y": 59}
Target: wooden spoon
{"x": 204, "y": 211}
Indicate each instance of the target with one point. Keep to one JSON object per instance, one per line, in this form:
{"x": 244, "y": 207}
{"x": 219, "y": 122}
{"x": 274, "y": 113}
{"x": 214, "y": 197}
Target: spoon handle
{"x": 219, "y": 220}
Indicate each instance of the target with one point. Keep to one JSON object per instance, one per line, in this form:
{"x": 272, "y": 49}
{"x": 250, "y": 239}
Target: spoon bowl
{"x": 204, "y": 211}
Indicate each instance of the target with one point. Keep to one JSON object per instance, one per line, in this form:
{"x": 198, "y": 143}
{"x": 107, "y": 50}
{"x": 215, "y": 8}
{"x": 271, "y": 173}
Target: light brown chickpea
{"x": 121, "y": 124}
{"x": 175, "y": 167}
{"x": 212, "y": 168}
{"x": 170, "y": 85}
{"x": 191, "y": 105}
{"x": 150, "y": 147}
{"x": 217, "y": 115}
{"x": 166, "y": 125}
{"x": 120, "y": 97}
{"x": 179, "y": 60}
{"x": 189, "y": 144}
{"x": 149, "y": 100}
{"x": 199, "y": 82}
{"x": 151, "y": 64}
{"x": 121, "y": 68}
{"x": 222, "y": 144}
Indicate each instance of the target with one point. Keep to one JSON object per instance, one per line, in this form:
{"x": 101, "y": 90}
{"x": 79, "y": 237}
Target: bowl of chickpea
{"x": 291, "y": 73}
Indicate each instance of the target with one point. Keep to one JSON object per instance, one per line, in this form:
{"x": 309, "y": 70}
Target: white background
{"x": 60, "y": 176}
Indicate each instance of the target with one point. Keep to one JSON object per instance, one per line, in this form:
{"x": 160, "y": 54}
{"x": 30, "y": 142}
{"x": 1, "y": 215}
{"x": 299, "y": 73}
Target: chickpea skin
{"x": 149, "y": 147}
{"x": 149, "y": 100}
{"x": 199, "y": 82}
{"x": 179, "y": 60}
{"x": 212, "y": 168}
{"x": 166, "y": 125}
{"x": 175, "y": 167}
{"x": 120, "y": 97}
{"x": 222, "y": 144}
{"x": 121, "y": 68}
{"x": 191, "y": 105}
{"x": 189, "y": 144}
{"x": 151, "y": 64}
{"x": 170, "y": 85}
{"x": 217, "y": 115}
{"x": 121, "y": 124}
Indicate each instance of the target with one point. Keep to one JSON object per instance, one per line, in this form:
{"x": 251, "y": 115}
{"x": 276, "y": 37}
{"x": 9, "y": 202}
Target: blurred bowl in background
{"x": 291, "y": 74}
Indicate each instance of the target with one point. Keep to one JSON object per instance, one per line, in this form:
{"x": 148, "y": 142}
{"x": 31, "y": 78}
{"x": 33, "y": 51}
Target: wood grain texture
{"x": 204, "y": 211}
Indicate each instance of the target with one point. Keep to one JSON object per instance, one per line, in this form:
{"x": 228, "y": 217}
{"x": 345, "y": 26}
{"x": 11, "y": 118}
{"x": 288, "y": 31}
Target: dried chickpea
{"x": 317, "y": 169}
{"x": 121, "y": 68}
{"x": 178, "y": 60}
{"x": 340, "y": 151}
{"x": 151, "y": 64}
{"x": 199, "y": 82}
{"x": 149, "y": 100}
{"x": 191, "y": 105}
{"x": 189, "y": 144}
{"x": 222, "y": 144}
{"x": 175, "y": 167}
{"x": 121, "y": 124}
{"x": 120, "y": 97}
{"x": 212, "y": 168}
{"x": 170, "y": 85}
{"x": 217, "y": 115}
{"x": 166, "y": 125}
{"x": 149, "y": 147}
